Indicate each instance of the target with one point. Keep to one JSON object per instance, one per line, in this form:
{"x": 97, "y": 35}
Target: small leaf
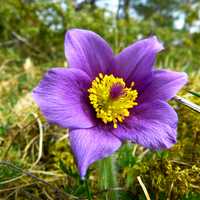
{"x": 162, "y": 154}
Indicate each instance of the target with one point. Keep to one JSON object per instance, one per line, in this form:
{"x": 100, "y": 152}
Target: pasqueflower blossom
{"x": 106, "y": 99}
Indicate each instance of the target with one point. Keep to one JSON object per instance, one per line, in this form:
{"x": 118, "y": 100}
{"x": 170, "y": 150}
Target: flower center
{"x": 111, "y": 98}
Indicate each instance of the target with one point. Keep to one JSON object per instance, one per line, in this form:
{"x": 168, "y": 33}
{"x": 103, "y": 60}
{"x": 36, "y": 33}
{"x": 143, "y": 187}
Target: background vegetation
{"x": 36, "y": 160}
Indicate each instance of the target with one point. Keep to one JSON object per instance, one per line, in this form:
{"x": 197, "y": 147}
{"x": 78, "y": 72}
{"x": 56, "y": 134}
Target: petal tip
{"x": 82, "y": 172}
{"x": 158, "y": 45}
{"x": 70, "y": 33}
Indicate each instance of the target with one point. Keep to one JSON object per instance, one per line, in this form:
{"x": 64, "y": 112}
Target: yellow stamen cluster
{"x": 107, "y": 108}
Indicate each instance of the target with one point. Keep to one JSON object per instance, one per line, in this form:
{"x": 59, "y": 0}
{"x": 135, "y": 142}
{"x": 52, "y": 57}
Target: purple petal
{"x": 152, "y": 125}
{"x": 164, "y": 86}
{"x": 88, "y": 51}
{"x": 92, "y": 144}
{"x": 135, "y": 63}
{"x": 62, "y": 97}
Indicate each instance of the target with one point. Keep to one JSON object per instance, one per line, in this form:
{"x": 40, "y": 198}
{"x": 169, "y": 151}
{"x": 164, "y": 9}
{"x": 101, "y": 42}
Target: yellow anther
{"x": 111, "y": 99}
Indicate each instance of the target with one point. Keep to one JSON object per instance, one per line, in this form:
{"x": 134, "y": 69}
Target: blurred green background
{"x": 31, "y": 41}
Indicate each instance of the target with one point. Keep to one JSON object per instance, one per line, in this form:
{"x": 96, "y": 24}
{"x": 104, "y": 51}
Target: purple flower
{"x": 106, "y": 99}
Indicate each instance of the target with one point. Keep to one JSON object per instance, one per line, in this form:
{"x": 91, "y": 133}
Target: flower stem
{"x": 88, "y": 189}
{"x": 108, "y": 180}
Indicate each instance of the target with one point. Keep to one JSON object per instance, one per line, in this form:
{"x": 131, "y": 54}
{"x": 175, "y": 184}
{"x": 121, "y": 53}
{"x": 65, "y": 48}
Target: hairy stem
{"x": 88, "y": 189}
{"x": 108, "y": 179}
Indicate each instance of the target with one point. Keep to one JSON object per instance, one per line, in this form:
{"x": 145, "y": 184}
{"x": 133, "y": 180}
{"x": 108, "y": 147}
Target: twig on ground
{"x": 35, "y": 51}
{"x": 40, "y": 139}
{"x": 143, "y": 188}
{"x": 170, "y": 191}
{"x": 48, "y": 196}
{"x": 142, "y": 155}
{"x": 16, "y": 187}
{"x": 14, "y": 137}
{"x": 187, "y": 103}
{"x": 134, "y": 149}
{"x": 57, "y": 191}
{"x": 8, "y": 43}
{"x": 11, "y": 180}
{"x": 25, "y": 41}
{"x": 180, "y": 162}
{"x": 28, "y": 146}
